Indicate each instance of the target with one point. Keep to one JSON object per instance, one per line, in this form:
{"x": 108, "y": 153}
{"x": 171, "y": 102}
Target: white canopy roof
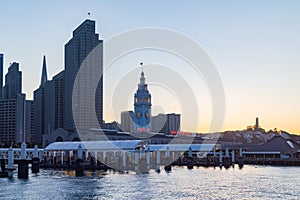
{"x": 182, "y": 147}
{"x": 126, "y": 145}
{"x": 94, "y": 145}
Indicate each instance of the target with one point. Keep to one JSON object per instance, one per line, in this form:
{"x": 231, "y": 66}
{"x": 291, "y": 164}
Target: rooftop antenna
{"x": 89, "y": 14}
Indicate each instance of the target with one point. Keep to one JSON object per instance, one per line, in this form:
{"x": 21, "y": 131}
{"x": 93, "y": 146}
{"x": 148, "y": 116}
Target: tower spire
{"x": 44, "y": 77}
{"x": 142, "y": 66}
{"x": 142, "y": 79}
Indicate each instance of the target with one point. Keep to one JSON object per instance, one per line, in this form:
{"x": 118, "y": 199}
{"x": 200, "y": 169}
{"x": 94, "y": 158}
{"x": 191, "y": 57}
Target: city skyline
{"x": 256, "y": 55}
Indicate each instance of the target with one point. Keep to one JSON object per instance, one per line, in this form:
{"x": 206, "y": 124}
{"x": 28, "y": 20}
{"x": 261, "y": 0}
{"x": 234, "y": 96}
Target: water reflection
{"x": 200, "y": 183}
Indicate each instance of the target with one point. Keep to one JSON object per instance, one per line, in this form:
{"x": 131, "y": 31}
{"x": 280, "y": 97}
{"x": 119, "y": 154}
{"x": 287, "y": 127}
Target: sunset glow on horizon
{"x": 254, "y": 46}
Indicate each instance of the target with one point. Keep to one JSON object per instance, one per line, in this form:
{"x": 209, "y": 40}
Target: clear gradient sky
{"x": 255, "y": 46}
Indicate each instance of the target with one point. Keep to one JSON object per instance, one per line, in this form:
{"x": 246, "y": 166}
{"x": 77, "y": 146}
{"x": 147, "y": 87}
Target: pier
{"x": 22, "y": 157}
{"x": 130, "y": 156}
{"x": 123, "y": 156}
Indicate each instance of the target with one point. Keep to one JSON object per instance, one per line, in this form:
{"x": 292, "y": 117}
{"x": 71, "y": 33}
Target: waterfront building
{"x": 59, "y": 135}
{"x": 1, "y": 74}
{"x": 277, "y": 147}
{"x": 82, "y": 43}
{"x": 166, "y": 123}
{"x": 142, "y": 107}
{"x": 111, "y": 126}
{"x": 127, "y": 121}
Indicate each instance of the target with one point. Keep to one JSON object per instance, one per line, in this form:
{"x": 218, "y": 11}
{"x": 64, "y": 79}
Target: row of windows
{"x": 145, "y": 100}
{"x": 139, "y": 115}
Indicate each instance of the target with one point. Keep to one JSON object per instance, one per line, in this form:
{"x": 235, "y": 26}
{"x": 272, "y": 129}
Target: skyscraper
{"x": 39, "y": 106}
{"x": 13, "y": 82}
{"x": 12, "y": 119}
{"x": 142, "y": 107}
{"x": 1, "y": 75}
{"x": 29, "y": 129}
{"x": 48, "y": 104}
{"x": 84, "y": 40}
{"x": 54, "y": 101}
{"x": 12, "y": 107}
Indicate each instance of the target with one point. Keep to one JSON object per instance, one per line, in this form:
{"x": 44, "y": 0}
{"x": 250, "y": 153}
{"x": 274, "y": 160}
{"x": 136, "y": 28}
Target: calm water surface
{"x": 252, "y": 182}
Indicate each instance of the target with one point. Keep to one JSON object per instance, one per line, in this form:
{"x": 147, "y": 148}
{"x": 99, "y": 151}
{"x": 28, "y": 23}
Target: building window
{"x": 147, "y": 115}
{"x": 138, "y": 99}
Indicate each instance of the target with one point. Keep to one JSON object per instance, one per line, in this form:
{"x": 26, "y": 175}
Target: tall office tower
{"x": 142, "y": 107}
{"x": 29, "y": 118}
{"x": 1, "y": 75}
{"x": 39, "y": 106}
{"x": 12, "y": 119}
{"x": 54, "y": 101}
{"x": 39, "y": 114}
{"x": 78, "y": 48}
{"x": 127, "y": 121}
{"x": 13, "y": 82}
{"x": 12, "y": 107}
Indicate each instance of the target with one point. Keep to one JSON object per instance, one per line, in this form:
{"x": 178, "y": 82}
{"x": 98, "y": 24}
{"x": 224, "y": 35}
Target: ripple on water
{"x": 252, "y": 182}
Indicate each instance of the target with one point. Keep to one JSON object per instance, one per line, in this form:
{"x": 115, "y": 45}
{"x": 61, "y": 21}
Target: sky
{"x": 255, "y": 46}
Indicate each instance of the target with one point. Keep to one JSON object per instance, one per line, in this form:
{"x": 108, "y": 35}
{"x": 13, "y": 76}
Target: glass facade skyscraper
{"x": 82, "y": 43}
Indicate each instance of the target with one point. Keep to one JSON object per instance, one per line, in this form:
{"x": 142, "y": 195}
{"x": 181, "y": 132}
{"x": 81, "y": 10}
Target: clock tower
{"x": 142, "y": 107}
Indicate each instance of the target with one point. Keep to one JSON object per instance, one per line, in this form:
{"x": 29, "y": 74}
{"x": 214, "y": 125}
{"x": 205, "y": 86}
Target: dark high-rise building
{"x": 48, "y": 104}
{"x": 29, "y": 118}
{"x": 39, "y": 106}
{"x": 13, "y": 82}
{"x": 54, "y": 101}
{"x": 12, "y": 119}
{"x": 82, "y": 43}
{"x": 12, "y": 107}
{"x": 1, "y": 75}
{"x": 39, "y": 113}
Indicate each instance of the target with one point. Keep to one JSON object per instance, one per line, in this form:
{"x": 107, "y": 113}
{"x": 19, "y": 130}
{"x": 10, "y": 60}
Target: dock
{"x": 125, "y": 156}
